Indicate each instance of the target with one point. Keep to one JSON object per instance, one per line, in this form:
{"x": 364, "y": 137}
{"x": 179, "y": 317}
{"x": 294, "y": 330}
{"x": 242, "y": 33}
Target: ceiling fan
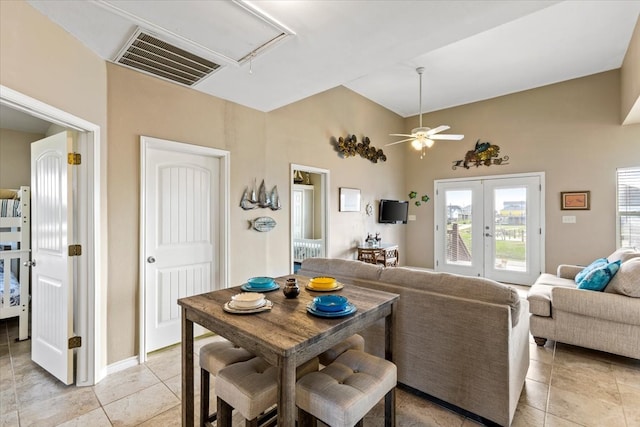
{"x": 423, "y": 137}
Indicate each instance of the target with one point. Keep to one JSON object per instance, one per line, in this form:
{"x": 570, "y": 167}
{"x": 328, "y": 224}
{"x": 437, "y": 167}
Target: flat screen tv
{"x": 393, "y": 211}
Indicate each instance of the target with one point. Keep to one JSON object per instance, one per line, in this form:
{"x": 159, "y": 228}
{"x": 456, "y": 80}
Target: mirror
{"x": 309, "y": 213}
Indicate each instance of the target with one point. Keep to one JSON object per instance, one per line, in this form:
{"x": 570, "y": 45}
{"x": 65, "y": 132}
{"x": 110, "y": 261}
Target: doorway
{"x": 183, "y": 229}
{"x": 491, "y": 227}
{"x": 309, "y": 213}
{"x": 90, "y": 308}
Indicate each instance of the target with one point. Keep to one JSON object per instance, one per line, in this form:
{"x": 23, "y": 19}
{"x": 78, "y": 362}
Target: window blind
{"x": 628, "y": 196}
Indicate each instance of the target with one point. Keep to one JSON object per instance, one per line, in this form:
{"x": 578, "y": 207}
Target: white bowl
{"x": 248, "y": 300}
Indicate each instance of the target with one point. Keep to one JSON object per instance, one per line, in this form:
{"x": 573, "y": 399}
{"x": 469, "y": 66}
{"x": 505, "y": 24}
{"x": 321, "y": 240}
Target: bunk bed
{"x": 15, "y": 254}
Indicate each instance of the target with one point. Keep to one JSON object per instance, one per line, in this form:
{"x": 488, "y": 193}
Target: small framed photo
{"x": 349, "y": 199}
{"x": 575, "y": 200}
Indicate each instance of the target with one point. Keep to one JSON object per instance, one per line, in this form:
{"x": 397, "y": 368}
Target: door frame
{"x": 324, "y": 173}
{"x": 223, "y": 216}
{"x": 539, "y": 175}
{"x": 91, "y": 305}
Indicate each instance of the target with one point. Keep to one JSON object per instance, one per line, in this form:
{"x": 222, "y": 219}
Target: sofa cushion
{"x": 553, "y": 280}
{"x": 598, "y": 278}
{"x": 342, "y": 268}
{"x": 473, "y": 288}
{"x": 595, "y": 264}
{"x": 623, "y": 255}
{"x": 627, "y": 280}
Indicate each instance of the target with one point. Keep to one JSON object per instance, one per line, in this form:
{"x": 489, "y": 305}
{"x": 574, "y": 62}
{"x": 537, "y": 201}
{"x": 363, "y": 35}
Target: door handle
{"x": 488, "y": 235}
{"x": 151, "y": 260}
{"x": 29, "y": 263}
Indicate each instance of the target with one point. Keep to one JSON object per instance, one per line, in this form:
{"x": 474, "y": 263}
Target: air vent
{"x": 153, "y": 56}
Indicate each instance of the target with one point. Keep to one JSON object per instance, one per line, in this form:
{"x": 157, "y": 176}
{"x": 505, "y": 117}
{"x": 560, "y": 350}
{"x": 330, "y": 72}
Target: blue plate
{"x": 247, "y": 287}
{"x": 350, "y": 309}
{"x": 260, "y": 282}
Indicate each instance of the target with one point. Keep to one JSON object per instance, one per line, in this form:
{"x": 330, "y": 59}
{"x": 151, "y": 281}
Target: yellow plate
{"x": 337, "y": 287}
{"x": 323, "y": 282}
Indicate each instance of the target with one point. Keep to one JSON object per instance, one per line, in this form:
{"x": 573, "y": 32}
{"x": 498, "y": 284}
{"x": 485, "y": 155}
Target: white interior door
{"x": 52, "y": 271}
{"x": 490, "y": 227}
{"x": 181, "y": 190}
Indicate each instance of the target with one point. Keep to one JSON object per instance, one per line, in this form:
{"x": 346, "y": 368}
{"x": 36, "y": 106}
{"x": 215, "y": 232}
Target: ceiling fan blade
{"x": 448, "y": 137}
{"x": 398, "y": 142}
{"x": 441, "y": 128}
{"x": 402, "y": 134}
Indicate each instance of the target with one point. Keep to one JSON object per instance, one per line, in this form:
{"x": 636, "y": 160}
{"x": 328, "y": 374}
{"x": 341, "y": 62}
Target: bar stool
{"x": 341, "y": 394}
{"x": 250, "y": 387}
{"x": 354, "y": 342}
{"x": 213, "y": 357}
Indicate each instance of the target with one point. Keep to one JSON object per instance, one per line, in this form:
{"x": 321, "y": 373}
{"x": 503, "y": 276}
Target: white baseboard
{"x": 122, "y": 365}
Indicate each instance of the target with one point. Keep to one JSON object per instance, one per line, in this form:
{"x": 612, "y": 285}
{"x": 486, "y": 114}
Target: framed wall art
{"x": 349, "y": 199}
{"x": 575, "y": 200}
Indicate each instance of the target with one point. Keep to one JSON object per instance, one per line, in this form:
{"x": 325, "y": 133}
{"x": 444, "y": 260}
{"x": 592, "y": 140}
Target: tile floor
{"x": 565, "y": 386}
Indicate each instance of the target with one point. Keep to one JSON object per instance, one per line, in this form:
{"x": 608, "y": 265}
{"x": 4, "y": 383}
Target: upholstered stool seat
{"x": 341, "y": 394}
{"x": 250, "y": 387}
{"x": 354, "y": 342}
{"x": 213, "y": 357}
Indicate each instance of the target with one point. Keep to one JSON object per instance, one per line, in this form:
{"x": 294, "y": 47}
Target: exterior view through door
{"x": 491, "y": 227}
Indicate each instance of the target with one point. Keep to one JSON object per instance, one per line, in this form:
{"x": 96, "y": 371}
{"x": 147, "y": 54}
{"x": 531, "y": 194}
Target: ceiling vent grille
{"x": 153, "y": 56}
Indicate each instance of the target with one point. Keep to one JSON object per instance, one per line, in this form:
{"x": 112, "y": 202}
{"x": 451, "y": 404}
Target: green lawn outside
{"x": 505, "y": 249}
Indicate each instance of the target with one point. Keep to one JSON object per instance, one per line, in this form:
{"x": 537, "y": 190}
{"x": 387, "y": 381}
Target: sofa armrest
{"x": 567, "y": 271}
{"x": 613, "y": 307}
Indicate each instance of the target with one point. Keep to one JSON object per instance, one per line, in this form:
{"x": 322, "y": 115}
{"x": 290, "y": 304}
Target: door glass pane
{"x": 510, "y": 237}
{"x": 459, "y": 227}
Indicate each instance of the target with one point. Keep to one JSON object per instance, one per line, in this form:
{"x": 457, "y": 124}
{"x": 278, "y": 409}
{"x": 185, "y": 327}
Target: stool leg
{"x": 305, "y": 419}
{"x": 390, "y": 408}
{"x": 251, "y": 423}
{"x": 225, "y": 412}
{"x": 204, "y": 397}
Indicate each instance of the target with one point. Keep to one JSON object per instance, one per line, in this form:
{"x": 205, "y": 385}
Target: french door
{"x": 491, "y": 227}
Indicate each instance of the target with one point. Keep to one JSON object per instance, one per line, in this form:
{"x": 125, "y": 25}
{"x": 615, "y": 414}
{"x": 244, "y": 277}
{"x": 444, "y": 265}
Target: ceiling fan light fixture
{"x": 416, "y": 144}
{"x": 428, "y": 142}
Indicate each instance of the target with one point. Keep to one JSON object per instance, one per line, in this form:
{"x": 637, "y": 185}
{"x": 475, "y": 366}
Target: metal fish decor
{"x": 484, "y": 153}
{"x": 264, "y": 199}
{"x": 262, "y": 224}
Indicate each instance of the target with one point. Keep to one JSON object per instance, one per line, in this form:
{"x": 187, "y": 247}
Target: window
{"x": 628, "y": 194}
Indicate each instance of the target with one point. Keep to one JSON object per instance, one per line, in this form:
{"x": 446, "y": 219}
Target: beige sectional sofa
{"x": 463, "y": 340}
{"x": 607, "y": 321}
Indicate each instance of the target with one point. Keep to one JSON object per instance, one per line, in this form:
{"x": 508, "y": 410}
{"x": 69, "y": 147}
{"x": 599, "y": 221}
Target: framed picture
{"x": 575, "y": 200}
{"x": 349, "y": 199}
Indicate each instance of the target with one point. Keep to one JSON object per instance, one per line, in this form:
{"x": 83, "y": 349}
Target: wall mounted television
{"x": 393, "y": 211}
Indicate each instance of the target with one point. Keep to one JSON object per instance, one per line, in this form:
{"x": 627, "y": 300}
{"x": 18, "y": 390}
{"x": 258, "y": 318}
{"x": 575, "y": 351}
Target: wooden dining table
{"x": 285, "y": 336}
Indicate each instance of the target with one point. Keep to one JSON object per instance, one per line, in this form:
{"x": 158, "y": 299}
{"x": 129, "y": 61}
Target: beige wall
{"x": 41, "y": 60}
{"x": 630, "y": 88}
{"x": 570, "y": 130}
{"x": 262, "y": 146}
{"x": 15, "y": 157}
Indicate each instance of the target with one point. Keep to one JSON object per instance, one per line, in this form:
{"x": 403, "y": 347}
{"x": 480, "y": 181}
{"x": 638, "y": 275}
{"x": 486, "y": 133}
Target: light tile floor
{"x": 565, "y": 386}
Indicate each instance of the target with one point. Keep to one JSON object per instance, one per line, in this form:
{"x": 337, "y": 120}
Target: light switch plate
{"x": 568, "y": 219}
{"x": 411, "y": 218}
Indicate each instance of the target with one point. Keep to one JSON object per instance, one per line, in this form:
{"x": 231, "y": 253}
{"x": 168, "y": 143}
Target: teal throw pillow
{"x": 595, "y": 264}
{"x": 598, "y": 278}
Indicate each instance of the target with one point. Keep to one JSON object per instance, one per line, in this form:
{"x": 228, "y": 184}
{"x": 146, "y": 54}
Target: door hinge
{"x": 75, "y": 250}
{"x": 74, "y": 158}
{"x": 75, "y": 342}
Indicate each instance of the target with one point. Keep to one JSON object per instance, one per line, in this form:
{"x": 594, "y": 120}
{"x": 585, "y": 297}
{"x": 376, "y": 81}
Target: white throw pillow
{"x": 627, "y": 280}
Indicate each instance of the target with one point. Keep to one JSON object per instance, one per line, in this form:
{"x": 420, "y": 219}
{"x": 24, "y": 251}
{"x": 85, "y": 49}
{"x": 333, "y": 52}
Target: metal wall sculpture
{"x": 350, "y": 146}
{"x": 484, "y": 153}
{"x": 263, "y": 199}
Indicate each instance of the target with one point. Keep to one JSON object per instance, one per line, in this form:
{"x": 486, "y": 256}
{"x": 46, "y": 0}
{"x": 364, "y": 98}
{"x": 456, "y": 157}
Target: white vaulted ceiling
{"x": 471, "y": 50}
